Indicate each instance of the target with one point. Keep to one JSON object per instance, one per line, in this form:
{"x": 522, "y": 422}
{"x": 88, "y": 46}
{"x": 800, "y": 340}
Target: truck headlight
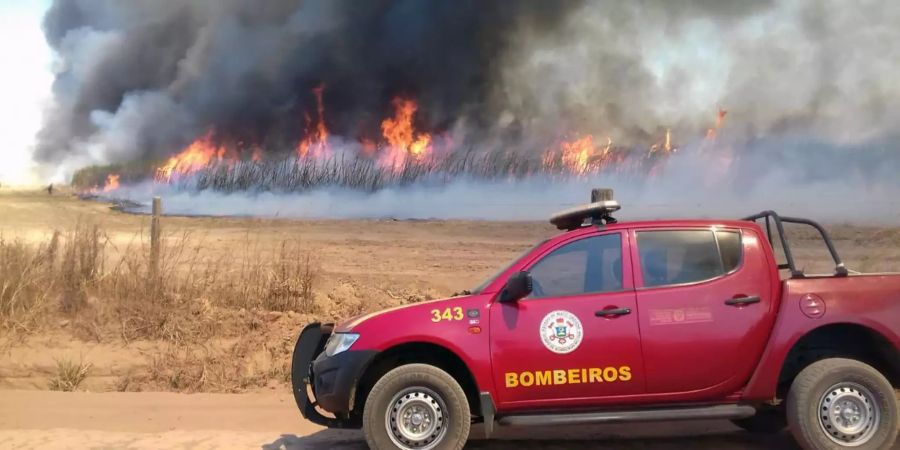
{"x": 340, "y": 342}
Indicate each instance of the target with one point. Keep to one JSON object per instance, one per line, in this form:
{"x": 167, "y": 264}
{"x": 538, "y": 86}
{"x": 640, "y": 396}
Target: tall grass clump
{"x": 110, "y": 289}
{"x": 56, "y": 274}
{"x": 81, "y": 265}
{"x": 26, "y": 280}
{"x": 279, "y": 279}
{"x": 69, "y": 375}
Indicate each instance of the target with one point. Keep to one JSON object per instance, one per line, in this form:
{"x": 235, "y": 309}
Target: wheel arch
{"x": 416, "y": 352}
{"x": 848, "y": 340}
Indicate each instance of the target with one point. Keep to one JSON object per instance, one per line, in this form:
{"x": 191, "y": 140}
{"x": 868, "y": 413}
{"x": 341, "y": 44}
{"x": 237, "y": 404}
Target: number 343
{"x": 448, "y": 314}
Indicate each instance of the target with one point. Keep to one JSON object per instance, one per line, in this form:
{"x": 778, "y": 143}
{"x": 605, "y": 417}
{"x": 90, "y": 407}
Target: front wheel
{"x": 841, "y": 403}
{"x": 416, "y": 406}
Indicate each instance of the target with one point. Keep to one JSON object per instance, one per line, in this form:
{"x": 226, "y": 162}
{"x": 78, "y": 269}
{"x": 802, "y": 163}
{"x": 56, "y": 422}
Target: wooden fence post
{"x": 155, "y": 237}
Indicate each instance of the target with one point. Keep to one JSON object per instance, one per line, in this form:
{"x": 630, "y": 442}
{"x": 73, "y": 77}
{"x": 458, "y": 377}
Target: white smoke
{"x": 822, "y": 68}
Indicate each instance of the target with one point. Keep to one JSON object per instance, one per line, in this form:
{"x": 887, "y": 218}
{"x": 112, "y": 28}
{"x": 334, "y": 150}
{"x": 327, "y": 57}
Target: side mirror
{"x": 517, "y": 287}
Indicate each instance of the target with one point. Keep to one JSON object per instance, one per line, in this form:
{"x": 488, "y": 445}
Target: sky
{"x": 25, "y": 84}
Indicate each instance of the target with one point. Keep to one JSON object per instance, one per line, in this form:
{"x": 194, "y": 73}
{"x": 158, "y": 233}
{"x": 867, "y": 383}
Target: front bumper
{"x": 333, "y": 379}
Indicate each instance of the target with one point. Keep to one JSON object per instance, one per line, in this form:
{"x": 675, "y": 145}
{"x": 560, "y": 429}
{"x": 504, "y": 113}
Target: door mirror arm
{"x": 517, "y": 287}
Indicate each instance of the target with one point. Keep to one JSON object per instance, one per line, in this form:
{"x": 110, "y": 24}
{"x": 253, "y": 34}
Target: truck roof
{"x": 669, "y": 223}
{"x": 599, "y": 212}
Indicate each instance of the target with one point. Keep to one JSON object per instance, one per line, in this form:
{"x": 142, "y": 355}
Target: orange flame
{"x": 577, "y": 154}
{"x": 112, "y": 182}
{"x": 665, "y": 146}
{"x": 196, "y": 156}
{"x": 720, "y": 120}
{"x": 316, "y": 140}
{"x": 583, "y": 155}
{"x": 402, "y": 139}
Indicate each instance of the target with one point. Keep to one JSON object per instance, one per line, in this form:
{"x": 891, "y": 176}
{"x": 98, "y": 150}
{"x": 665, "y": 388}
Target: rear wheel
{"x": 841, "y": 403}
{"x": 416, "y": 406}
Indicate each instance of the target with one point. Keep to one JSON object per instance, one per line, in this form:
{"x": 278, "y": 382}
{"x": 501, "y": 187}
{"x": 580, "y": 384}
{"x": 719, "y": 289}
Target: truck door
{"x": 574, "y": 340}
{"x": 704, "y": 307}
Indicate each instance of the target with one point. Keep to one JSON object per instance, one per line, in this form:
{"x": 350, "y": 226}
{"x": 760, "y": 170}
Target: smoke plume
{"x": 146, "y": 77}
{"x": 809, "y": 86}
{"x": 143, "y": 78}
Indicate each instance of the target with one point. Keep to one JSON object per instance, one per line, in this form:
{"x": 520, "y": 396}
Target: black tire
{"x": 841, "y": 379}
{"x": 765, "y": 421}
{"x": 435, "y": 387}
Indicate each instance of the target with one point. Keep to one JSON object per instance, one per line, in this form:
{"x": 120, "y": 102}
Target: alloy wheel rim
{"x": 849, "y": 414}
{"x": 416, "y": 419}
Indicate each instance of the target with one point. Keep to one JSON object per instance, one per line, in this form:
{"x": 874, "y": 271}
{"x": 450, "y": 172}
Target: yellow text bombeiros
{"x": 568, "y": 376}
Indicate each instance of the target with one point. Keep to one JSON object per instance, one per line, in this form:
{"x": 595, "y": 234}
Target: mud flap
{"x": 310, "y": 343}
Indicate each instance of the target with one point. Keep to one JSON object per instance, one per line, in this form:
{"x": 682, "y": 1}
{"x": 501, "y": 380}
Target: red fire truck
{"x": 623, "y": 321}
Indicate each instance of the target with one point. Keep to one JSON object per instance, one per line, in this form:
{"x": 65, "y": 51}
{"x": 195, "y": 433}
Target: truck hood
{"x": 349, "y": 324}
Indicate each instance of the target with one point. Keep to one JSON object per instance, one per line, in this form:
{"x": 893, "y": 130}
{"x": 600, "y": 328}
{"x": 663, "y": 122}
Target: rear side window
{"x": 730, "y": 247}
{"x": 590, "y": 265}
{"x": 688, "y": 256}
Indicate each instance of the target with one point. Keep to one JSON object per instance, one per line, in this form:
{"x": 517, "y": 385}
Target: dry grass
{"x": 210, "y": 314}
{"x": 69, "y": 375}
{"x": 233, "y": 367}
{"x": 75, "y": 275}
{"x": 23, "y": 282}
{"x": 60, "y": 271}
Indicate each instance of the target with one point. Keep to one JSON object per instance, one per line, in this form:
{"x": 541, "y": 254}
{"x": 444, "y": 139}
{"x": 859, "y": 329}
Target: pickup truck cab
{"x": 614, "y": 322}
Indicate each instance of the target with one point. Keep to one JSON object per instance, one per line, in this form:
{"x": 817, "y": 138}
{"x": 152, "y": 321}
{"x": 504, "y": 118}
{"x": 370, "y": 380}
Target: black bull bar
{"x": 309, "y": 345}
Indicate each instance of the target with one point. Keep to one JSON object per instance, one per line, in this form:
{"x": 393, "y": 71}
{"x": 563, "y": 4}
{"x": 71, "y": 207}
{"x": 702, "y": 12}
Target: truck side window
{"x": 731, "y": 249}
{"x": 677, "y": 257}
{"x": 588, "y": 265}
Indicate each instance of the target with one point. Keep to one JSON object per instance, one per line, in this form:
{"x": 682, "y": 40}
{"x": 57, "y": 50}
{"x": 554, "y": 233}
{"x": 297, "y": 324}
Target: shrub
{"x": 69, "y": 375}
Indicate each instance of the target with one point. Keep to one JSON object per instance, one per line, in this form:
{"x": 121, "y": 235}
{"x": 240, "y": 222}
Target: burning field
{"x": 401, "y": 156}
{"x": 297, "y": 107}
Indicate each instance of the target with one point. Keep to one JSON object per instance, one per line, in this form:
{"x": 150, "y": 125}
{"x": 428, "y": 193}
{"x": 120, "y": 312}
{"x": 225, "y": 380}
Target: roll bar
{"x": 772, "y": 216}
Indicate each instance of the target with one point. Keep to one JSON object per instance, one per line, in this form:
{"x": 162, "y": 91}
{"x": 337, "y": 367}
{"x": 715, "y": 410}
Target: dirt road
{"x": 50, "y": 420}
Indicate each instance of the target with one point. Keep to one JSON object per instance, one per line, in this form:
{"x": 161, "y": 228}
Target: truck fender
{"x": 763, "y": 385}
{"x": 419, "y": 351}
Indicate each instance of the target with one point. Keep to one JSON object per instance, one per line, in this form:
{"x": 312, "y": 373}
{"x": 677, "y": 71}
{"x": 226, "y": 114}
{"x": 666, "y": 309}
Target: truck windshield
{"x": 506, "y": 267}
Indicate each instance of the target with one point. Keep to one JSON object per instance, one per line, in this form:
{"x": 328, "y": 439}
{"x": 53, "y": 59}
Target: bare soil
{"x": 48, "y": 420}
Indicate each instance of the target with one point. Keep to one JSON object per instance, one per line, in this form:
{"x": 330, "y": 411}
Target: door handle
{"x": 741, "y": 301}
{"x": 615, "y": 312}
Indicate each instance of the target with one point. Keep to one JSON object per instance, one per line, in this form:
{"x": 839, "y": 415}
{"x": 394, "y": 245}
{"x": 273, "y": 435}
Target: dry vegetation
{"x": 286, "y": 173}
{"x": 192, "y": 304}
{"x": 72, "y": 274}
{"x": 69, "y": 375}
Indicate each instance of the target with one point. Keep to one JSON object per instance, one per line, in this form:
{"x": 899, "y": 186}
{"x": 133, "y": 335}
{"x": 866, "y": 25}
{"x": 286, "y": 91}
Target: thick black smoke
{"x": 144, "y": 76}
{"x": 141, "y": 78}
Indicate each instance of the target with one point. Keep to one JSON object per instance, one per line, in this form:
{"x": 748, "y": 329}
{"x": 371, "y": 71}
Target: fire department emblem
{"x": 561, "y": 332}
